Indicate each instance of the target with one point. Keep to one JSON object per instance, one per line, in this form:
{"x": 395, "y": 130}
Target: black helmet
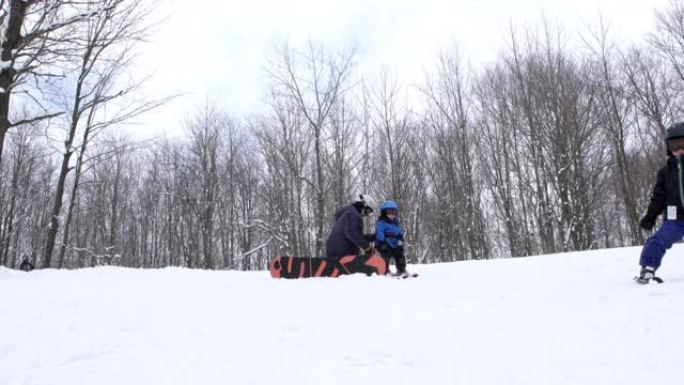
{"x": 675, "y": 131}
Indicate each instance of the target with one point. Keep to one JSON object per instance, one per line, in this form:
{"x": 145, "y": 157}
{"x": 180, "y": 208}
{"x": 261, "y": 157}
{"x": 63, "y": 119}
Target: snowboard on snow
{"x": 306, "y": 267}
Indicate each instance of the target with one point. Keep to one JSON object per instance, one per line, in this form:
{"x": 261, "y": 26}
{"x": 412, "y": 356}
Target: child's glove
{"x": 647, "y": 223}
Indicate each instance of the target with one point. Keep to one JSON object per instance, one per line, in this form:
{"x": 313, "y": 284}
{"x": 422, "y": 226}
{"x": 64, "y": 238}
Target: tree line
{"x": 551, "y": 147}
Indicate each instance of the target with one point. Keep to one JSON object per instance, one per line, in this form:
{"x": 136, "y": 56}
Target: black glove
{"x": 383, "y": 248}
{"x": 647, "y": 223}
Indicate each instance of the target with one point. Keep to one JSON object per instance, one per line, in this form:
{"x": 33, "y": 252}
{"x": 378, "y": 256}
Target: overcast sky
{"x": 215, "y": 49}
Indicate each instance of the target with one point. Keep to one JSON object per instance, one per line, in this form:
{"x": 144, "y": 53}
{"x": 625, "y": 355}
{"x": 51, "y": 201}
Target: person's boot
{"x": 404, "y": 274}
{"x": 646, "y": 274}
{"x": 387, "y": 263}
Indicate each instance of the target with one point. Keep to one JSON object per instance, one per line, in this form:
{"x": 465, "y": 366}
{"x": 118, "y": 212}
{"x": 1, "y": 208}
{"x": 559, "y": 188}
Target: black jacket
{"x": 667, "y": 190}
{"x": 346, "y": 236}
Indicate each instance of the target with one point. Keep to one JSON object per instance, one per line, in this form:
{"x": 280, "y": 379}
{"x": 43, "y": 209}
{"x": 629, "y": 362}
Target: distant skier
{"x": 389, "y": 237}
{"x": 26, "y": 265}
{"x": 668, "y": 196}
{"x": 346, "y": 236}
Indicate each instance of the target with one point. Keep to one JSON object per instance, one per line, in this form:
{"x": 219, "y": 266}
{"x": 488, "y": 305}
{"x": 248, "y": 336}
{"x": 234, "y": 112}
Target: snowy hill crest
{"x": 562, "y": 319}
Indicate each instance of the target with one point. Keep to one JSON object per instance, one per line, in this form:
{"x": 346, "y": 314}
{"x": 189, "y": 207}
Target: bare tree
{"x": 501, "y": 141}
{"x": 204, "y": 149}
{"x": 617, "y": 114}
{"x": 342, "y": 153}
{"x": 668, "y": 38}
{"x": 391, "y": 121}
{"x": 16, "y": 196}
{"x": 103, "y": 52}
{"x": 285, "y": 147}
{"x": 315, "y": 80}
{"x": 656, "y": 99}
{"x": 653, "y": 98}
{"x": 34, "y": 36}
{"x": 455, "y": 143}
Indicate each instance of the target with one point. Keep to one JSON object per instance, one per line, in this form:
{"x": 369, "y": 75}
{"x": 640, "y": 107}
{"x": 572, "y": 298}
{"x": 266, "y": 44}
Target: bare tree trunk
{"x": 12, "y": 36}
{"x": 3, "y": 131}
{"x": 111, "y": 245}
{"x": 72, "y": 202}
{"x": 69, "y": 216}
{"x": 53, "y": 228}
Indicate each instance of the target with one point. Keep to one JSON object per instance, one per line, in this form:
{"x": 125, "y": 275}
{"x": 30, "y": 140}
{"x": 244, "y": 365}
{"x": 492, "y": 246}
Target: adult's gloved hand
{"x": 647, "y": 223}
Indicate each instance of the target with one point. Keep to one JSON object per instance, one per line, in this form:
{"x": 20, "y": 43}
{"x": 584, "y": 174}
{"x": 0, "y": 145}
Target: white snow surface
{"x": 575, "y": 318}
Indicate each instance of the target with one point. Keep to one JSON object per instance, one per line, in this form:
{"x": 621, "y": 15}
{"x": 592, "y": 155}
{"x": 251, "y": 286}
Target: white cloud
{"x": 215, "y": 50}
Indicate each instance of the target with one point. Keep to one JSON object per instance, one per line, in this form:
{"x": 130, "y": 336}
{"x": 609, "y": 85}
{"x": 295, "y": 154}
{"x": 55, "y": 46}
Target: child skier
{"x": 668, "y": 196}
{"x": 389, "y": 237}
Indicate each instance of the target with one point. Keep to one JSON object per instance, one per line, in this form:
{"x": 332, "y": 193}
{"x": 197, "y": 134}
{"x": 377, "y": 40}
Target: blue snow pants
{"x": 655, "y": 247}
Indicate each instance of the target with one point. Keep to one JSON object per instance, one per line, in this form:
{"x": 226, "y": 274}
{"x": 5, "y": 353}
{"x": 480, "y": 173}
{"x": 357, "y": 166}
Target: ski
{"x": 645, "y": 281}
{"x": 403, "y": 276}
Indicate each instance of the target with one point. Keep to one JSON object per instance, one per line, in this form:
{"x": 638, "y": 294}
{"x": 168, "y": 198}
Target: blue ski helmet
{"x": 388, "y": 205}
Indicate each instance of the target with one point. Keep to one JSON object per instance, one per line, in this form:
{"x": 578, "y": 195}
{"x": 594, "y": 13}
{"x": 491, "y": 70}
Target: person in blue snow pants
{"x": 668, "y": 198}
{"x": 656, "y": 246}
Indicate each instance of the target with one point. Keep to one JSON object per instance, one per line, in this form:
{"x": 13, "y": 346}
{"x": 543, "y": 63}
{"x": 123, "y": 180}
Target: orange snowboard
{"x": 302, "y": 267}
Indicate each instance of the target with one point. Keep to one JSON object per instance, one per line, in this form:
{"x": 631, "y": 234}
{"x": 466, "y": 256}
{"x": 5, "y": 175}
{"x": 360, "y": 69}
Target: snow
{"x": 574, "y": 318}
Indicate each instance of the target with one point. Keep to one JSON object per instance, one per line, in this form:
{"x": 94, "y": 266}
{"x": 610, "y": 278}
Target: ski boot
{"x": 404, "y": 274}
{"x": 646, "y": 274}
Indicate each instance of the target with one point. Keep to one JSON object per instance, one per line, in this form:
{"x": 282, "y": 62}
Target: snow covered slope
{"x": 561, "y": 319}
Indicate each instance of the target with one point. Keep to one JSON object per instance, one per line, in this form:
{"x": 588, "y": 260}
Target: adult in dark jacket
{"x": 346, "y": 236}
{"x": 668, "y": 197}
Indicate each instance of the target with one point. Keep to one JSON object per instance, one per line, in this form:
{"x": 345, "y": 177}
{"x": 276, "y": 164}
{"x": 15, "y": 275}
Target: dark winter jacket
{"x": 346, "y": 236}
{"x": 668, "y": 190}
{"x": 388, "y": 231}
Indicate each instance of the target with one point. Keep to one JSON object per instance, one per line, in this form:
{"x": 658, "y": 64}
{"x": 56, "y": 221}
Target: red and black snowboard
{"x": 304, "y": 267}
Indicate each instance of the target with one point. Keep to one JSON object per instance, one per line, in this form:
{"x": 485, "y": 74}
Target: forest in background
{"x": 551, "y": 147}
